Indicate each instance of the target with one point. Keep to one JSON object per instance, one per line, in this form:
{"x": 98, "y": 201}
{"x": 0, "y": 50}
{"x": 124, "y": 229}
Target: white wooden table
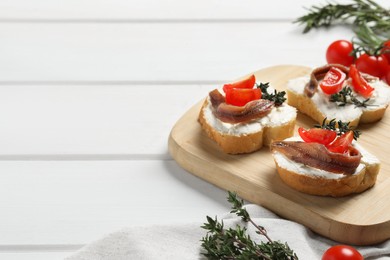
{"x": 89, "y": 91}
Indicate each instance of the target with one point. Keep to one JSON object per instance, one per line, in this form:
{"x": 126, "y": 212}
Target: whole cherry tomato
{"x": 359, "y": 84}
{"x": 373, "y": 65}
{"x": 340, "y": 52}
{"x": 342, "y": 252}
{"x": 248, "y": 82}
{"x": 387, "y": 75}
{"x": 386, "y": 50}
{"x": 341, "y": 144}
{"x": 333, "y": 81}
{"x": 317, "y": 135}
{"x": 241, "y": 96}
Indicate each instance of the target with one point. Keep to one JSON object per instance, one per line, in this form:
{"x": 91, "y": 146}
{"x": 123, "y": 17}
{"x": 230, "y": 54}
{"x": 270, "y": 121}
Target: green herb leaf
{"x": 346, "y": 96}
{"x": 340, "y": 127}
{"x": 369, "y": 20}
{"x": 220, "y": 243}
{"x": 278, "y": 97}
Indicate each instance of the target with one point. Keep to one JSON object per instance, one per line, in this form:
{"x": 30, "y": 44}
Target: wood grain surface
{"x": 362, "y": 219}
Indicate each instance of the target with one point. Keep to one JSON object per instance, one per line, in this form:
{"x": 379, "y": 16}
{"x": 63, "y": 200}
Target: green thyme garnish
{"x": 346, "y": 96}
{"x": 277, "y": 96}
{"x": 339, "y": 127}
{"x": 220, "y": 243}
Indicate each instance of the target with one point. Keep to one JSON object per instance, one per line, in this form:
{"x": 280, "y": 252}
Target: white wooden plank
{"x": 35, "y": 255}
{"x": 91, "y": 122}
{"x": 191, "y": 52}
{"x": 73, "y": 203}
{"x": 151, "y": 9}
{"x": 156, "y": 9}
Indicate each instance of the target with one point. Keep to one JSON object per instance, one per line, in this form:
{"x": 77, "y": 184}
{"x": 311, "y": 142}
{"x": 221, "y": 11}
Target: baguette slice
{"x": 319, "y": 107}
{"x": 248, "y": 137}
{"x": 319, "y": 182}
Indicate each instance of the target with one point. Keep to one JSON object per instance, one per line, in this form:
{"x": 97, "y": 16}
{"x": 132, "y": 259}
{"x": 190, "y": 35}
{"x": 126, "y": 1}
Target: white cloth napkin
{"x": 183, "y": 241}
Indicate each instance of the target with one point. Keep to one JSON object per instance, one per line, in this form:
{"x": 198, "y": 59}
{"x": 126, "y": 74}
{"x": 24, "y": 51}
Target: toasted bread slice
{"x": 248, "y": 137}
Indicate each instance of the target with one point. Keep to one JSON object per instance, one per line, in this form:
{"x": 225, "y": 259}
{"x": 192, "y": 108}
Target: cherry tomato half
{"x": 245, "y": 83}
{"x": 339, "y": 52}
{"x": 333, "y": 81}
{"x": 241, "y": 96}
{"x": 360, "y": 85}
{"x": 342, "y": 252}
{"x": 373, "y": 65}
{"x": 341, "y": 144}
{"x": 317, "y": 135}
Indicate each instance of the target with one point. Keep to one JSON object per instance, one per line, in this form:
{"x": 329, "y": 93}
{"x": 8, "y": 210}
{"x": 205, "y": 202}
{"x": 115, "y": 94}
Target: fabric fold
{"x": 182, "y": 241}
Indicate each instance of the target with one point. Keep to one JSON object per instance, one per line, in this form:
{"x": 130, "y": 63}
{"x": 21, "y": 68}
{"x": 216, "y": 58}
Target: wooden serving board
{"x": 362, "y": 219}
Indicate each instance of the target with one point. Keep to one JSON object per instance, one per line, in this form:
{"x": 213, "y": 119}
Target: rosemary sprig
{"x": 339, "y": 127}
{"x": 368, "y": 42}
{"x": 220, "y": 243}
{"x": 346, "y": 96}
{"x": 278, "y": 97}
{"x": 360, "y": 14}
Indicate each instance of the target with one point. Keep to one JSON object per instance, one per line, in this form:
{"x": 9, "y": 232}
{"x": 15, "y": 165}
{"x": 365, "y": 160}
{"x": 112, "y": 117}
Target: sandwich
{"x": 325, "y": 161}
{"x": 343, "y": 93}
{"x": 242, "y": 117}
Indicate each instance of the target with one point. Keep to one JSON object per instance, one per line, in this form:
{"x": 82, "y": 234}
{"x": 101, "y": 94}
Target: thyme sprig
{"x": 221, "y": 243}
{"x": 369, "y": 20}
{"x": 346, "y": 96}
{"x": 339, "y": 127}
{"x": 278, "y": 97}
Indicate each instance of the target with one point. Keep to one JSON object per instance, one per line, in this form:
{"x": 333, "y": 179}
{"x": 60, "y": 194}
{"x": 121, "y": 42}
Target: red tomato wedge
{"x": 241, "y": 96}
{"x": 317, "y": 135}
{"x": 333, "y": 81}
{"x": 341, "y": 144}
{"x": 245, "y": 83}
{"x": 360, "y": 85}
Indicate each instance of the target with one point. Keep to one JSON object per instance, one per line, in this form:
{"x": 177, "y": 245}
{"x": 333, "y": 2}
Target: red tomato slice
{"x": 317, "y": 135}
{"x": 341, "y": 144}
{"x": 241, "y": 96}
{"x": 333, "y": 81}
{"x": 359, "y": 84}
{"x": 245, "y": 83}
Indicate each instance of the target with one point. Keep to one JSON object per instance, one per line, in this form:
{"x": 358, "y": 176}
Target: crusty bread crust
{"x": 246, "y": 143}
{"x": 371, "y": 116}
{"x": 306, "y": 106}
{"x": 350, "y": 184}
